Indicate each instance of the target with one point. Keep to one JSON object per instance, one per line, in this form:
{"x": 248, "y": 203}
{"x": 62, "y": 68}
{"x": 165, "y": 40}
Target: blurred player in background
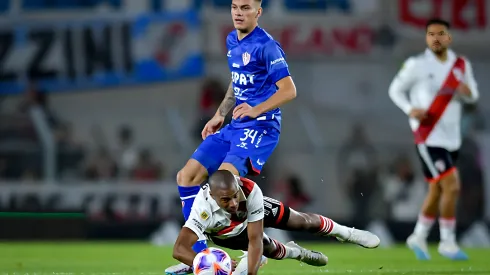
{"x": 438, "y": 81}
{"x": 260, "y": 83}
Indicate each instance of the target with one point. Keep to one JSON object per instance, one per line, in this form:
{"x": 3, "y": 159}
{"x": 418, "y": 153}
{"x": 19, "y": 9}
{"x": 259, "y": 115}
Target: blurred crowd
{"x": 393, "y": 189}
{"x": 21, "y": 150}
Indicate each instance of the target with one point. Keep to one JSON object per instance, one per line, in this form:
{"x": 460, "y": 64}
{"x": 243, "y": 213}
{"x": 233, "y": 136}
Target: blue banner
{"x": 85, "y": 54}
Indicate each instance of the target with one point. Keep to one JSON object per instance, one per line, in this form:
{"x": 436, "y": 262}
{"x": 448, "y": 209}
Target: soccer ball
{"x": 212, "y": 261}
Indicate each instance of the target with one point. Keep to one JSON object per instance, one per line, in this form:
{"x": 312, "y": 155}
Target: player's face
{"x": 245, "y": 14}
{"x": 438, "y": 38}
{"x": 227, "y": 199}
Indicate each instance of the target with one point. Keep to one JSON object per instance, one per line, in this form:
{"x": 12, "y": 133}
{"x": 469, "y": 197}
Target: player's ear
{"x": 259, "y": 12}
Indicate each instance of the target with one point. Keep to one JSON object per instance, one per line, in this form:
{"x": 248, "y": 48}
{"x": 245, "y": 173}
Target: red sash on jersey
{"x": 442, "y": 99}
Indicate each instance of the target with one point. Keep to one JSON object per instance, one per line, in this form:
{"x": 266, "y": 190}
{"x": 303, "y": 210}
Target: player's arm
{"x": 183, "y": 246}
{"x": 468, "y": 90}
{"x": 192, "y": 231}
{"x": 255, "y": 232}
{"x": 286, "y": 92}
{"x": 400, "y": 85}
{"x": 278, "y": 73}
{"x": 227, "y": 103}
{"x": 255, "y": 229}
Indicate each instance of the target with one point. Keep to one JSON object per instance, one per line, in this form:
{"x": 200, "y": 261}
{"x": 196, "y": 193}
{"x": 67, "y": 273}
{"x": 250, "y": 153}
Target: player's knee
{"x": 187, "y": 178}
{"x": 451, "y": 187}
{"x": 450, "y": 184}
{"x": 434, "y": 191}
{"x": 269, "y": 246}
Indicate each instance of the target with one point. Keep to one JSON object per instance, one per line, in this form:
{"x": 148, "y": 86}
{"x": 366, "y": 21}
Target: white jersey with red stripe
{"x": 417, "y": 84}
{"x": 207, "y": 217}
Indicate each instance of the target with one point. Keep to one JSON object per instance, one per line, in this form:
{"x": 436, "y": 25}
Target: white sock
{"x": 285, "y": 252}
{"x": 330, "y": 228}
{"x": 447, "y": 229}
{"x": 292, "y": 252}
{"x": 423, "y": 226}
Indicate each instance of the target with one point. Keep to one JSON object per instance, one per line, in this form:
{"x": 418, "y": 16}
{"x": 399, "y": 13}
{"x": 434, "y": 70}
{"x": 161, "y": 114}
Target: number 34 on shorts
{"x": 250, "y": 137}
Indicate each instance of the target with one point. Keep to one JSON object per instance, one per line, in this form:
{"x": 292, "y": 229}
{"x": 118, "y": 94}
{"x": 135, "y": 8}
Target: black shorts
{"x": 436, "y": 162}
{"x": 276, "y": 215}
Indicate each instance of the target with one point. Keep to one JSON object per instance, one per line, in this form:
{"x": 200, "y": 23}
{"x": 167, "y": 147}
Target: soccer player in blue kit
{"x": 260, "y": 83}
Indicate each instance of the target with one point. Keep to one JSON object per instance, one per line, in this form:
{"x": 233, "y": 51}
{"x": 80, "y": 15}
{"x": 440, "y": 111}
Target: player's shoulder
{"x": 413, "y": 61}
{"x": 265, "y": 39}
{"x": 231, "y": 39}
{"x": 248, "y": 186}
{"x": 465, "y": 58}
{"x": 201, "y": 201}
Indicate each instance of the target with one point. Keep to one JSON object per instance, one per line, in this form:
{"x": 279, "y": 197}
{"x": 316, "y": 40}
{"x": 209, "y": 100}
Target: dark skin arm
{"x": 183, "y": 251}
{"x": 183, "y": 246}
{"x": 255, "y": 232}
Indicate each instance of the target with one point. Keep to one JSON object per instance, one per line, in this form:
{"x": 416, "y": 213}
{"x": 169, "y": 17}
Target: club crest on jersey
{"x": 245, "y": 58}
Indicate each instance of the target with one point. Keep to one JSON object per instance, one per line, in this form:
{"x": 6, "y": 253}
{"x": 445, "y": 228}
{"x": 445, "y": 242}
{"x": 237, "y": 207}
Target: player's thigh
{"x": 437, "y": 163}
{"x": 212, "y": 151}
{"x": 276, "y": 214}
{"x": 250, "y": 148}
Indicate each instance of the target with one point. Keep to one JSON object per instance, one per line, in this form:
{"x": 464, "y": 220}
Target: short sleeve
{"x": 255, "y": 205}
{"x": 199, "y": 221}
{"x": 404, "y": 79}
{"x": 275, "y": 61}
{"x": 471, "y": 82}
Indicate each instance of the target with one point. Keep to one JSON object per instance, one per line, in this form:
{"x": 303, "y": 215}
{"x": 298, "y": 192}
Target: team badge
{"x": 440, "y": 165}
{"x": 245, "y": 58}
{"x": 204, "y": 215}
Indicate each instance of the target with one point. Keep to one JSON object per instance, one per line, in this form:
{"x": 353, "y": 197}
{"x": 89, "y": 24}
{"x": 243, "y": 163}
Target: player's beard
{"x": 243, "y": 30}
{"x": 440, "y": 50}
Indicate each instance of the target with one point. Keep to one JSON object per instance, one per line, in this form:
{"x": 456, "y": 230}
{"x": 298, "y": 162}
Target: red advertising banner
{"x": 311, "y": 37}
{"x": 464, "y": 15}
{"x": 295, "y": 39}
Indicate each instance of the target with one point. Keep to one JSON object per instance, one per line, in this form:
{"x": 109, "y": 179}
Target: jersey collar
{"x": 249, "y": 35}
{"x": 451, "y": 55}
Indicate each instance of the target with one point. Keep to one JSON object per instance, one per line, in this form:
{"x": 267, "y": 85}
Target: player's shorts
{"x": 436, "y": 162}
{"x": 247, "y": 149}
{"x": 276, "y": 215}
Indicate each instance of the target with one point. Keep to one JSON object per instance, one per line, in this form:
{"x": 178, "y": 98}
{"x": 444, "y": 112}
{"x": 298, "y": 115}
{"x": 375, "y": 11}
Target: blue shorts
{"x": 245, "y": 148}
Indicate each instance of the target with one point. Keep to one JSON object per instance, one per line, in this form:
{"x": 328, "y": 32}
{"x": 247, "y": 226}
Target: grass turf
{"x": 142, "y": 258}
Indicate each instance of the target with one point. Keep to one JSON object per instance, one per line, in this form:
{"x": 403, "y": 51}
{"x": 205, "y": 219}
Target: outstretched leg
{"x": 276, "y": 250}
{"x": 279, "y": 216}
{"x": 320, "y": 225}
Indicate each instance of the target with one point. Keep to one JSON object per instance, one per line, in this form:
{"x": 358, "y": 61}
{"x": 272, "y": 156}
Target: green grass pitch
{"x": 104, "y": 258}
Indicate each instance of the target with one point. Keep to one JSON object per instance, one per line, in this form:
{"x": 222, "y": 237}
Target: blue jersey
{"x": 256, "y": 63}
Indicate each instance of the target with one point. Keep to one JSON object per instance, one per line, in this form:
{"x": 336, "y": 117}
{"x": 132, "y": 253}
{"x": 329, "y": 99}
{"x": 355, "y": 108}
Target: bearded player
{"x": 260, "y": 83}
{"x": 438, "y": 81}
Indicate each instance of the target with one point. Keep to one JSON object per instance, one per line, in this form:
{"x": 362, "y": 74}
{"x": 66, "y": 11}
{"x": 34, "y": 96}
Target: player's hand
{"x": 212, "y": 126}
{"x": 419, "y": 114}
{"x": 245, "y": 110}
{"x": 463, "y": 89}
{"x": 233, "y": 264}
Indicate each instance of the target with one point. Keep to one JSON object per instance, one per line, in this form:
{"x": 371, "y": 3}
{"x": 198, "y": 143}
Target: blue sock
{"x": 187, "y": 196}
{"x": 200, "y": 246}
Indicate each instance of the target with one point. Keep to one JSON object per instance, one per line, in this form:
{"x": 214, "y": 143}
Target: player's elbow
{"x": 292, "y": 90}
